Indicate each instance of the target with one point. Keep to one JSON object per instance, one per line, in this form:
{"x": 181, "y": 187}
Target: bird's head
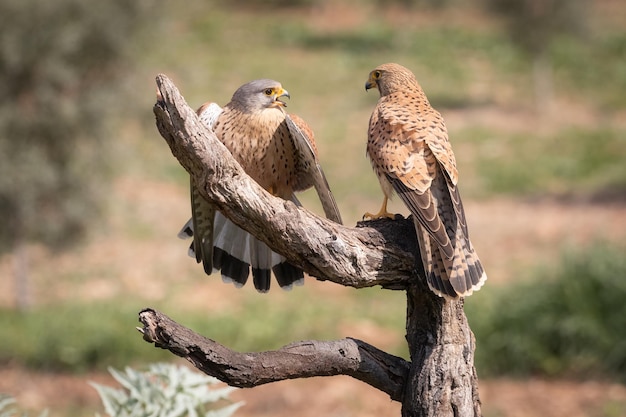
{"x": 259, "y": 95}
{"x": 390, "y": 78}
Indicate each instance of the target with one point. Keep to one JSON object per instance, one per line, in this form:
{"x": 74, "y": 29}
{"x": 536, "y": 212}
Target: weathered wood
{"x": 297, "y": 360}
{"x": 441, "y": 378}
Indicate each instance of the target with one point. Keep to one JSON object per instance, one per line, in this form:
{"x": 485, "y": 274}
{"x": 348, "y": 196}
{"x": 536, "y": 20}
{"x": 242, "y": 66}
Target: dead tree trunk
{"x": 440, "y": 379}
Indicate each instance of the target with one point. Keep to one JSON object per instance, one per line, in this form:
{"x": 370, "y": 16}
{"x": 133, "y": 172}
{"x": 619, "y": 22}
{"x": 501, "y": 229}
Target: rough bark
{"x": 297, "y": 360}
{"x": 440, "y": 380}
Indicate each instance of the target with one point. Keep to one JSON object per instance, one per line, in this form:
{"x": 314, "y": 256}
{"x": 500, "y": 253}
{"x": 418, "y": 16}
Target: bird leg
{"x": 381, "y": 213}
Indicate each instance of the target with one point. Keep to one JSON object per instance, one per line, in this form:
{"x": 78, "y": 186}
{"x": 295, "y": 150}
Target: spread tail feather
{"x": 451, "y": 278}
{"x": 236, "y": 251}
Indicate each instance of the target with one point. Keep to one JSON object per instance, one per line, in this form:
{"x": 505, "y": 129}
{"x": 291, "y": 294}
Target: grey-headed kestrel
{"x": 410, "y": 152}
{"x": 278, "y": 151}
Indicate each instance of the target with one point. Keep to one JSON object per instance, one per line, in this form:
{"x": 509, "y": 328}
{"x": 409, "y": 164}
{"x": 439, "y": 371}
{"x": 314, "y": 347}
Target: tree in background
{"x": 61, "y": 64}
{"x": 533, "y": 25}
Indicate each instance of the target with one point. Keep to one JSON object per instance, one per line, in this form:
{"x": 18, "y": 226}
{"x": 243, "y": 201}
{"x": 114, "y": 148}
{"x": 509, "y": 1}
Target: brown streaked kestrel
{"x": 410, "y": 152}
{"x": 278, "y": 151}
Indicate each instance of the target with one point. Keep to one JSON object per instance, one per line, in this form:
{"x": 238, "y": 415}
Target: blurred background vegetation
{"x": 91, "y": 199}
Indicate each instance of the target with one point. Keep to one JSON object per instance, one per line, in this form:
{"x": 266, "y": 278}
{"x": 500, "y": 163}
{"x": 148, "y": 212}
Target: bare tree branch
{"x": 360, "y": 257}
{"x": 304, "y": 359}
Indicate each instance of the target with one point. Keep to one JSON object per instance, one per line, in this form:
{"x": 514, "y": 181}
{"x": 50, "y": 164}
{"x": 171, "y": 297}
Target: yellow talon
{"x": 381, "y": 213}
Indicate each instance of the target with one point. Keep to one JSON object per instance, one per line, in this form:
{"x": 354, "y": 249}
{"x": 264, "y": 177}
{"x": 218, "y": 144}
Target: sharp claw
{"x": 381, "y": 215}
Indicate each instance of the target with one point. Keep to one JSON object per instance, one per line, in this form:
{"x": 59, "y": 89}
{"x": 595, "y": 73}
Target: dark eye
{"x": 376, "y": 75}
{"x": 268, "y": 91}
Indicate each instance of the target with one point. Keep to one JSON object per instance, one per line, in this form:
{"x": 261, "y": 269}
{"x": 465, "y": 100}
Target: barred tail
{"x": 451, "y": 278}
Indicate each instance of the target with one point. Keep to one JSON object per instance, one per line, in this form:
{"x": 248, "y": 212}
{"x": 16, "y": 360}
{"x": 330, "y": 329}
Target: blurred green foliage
{"x": 61, "y": 66}
{"x": 566, "y": 321}
{"x": 74, "y": 337}
{"x": 570, "y": 161}
{"x": 547, "y": 19}
{"x": 87, "y": 336}
{"x": 594, "y": 68}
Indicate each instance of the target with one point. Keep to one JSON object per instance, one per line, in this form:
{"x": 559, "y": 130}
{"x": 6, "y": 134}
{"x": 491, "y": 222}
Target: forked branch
{"x": 441, "y": 379}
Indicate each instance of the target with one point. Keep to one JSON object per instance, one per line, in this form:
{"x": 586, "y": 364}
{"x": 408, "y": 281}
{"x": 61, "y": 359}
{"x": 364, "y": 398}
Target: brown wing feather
{"x": 421, "y": 126}
{"x": 400, "y": 155}
{"x": 202, "y": 211}
{"x": 202, "y": 216}
{"x": 309, "y": 169}
{"x": 410, "y": 152}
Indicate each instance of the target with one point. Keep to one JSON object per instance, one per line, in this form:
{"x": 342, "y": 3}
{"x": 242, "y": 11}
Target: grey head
{"x": 259, "y": 95}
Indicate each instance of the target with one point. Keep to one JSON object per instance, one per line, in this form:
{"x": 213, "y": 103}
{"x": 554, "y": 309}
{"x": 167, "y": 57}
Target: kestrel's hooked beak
{"x": 371, "y": 82}
{"x": 281, "y": 92}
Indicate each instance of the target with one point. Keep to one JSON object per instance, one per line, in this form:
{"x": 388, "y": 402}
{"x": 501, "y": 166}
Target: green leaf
{"x": 164, "y": 390}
